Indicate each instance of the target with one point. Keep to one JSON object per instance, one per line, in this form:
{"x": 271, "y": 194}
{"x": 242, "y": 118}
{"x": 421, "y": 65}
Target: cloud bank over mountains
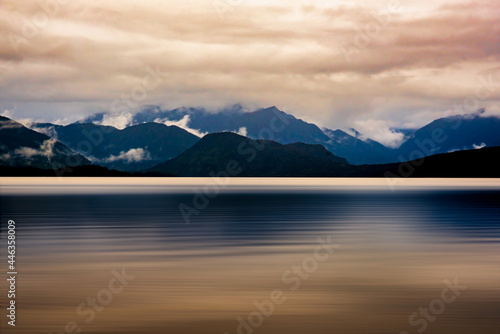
{"x": 363, "y": 64}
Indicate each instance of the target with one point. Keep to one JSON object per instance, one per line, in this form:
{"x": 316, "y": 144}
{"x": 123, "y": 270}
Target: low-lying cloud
{"x": 133, "y": 155}
{"x": 46, "y": 150}
{"x": 10, "y": 125}
{"x": 117, "y": 120}
{"x": 381, "y": 131}
{"x": 242, "y": 131}
{"x": 183, "y": 124}
{"x": 48, "y": 130}
{"x": 477, "y": 147}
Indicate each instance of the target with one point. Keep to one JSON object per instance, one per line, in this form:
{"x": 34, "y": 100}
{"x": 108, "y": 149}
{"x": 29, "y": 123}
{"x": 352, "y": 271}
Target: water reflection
{"x": 396, "y": 248}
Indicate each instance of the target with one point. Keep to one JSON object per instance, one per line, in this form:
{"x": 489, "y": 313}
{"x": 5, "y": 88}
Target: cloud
{"x": 7, "y": 113}
{"x": 131, "y": 156}
{"x": 90, "y": 53}
{"x": 117, "y": 120}
{"x": 183, "y": 124}
{"x": 10, "y": 125}
{"x": 46, "y": 149}
{"x": 48, "y": 131}
{"x": 242, "y": 131}
{"x": 477, "y": 147}
{"x": 381, "y": 131}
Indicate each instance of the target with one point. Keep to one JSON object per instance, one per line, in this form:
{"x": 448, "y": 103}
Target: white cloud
{"x": 242, "y": 131}
{"x": 380, "y": 130}
{"x": 476, "y": 147}
{"x": 7, "y": 113}
{"x": 132, "y": 155}
{"x": 10, "y": 125}
{"x": 183, "y": 124}
{"x": 48, "y": 131}
{"x": 351, "y": 132}
{"x": 46, "y": 149}
{"x": 117, "y": 120}
{"x": 90, "y": 54}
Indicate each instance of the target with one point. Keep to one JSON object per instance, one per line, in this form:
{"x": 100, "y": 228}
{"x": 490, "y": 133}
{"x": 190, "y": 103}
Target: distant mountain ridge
{"x": 24, "y": 152}
{"x": 251, "y": 124}
{"x": 469, "y": 163}
{"x": 151, "y": 141}
{"x": 454, "y": 133}
{"x": 22, "y": 147}
{"x": 241, "y": 156}
{"x": 134, "y": 148}
{"x": 231, "y": 155}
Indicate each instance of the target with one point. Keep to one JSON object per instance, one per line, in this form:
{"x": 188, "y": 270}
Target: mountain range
{"x": 454, "y": 133}
{"x": 224, "y": 155}
{"x": 229, "y": 154}
{"x": 288, "y": 129}
{"x": 237, "y": 155}
{"x": 22, "y": 147}
{"x": 134, "y": 148}
{"x": 277, "y": 143}
{"x": 459, "y": 132}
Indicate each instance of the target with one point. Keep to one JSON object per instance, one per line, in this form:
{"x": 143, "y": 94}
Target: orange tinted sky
{"x": 413, "y": 62}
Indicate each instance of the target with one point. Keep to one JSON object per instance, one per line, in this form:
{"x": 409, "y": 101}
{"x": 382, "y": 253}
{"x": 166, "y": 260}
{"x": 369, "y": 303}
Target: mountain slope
{"x": 241, "y": 156}
{"x": 455, "y": 133}
{"x": 285, "y": 129}
{"x": 134, "y": 148}
{"x": 211, "y": 155}
{"x": 460, "y": 132}
{"x": 475, "y": 163}
{"x": 268, "y": 123}
{"x": 359, "y": 151}
{"x": 22, "y": 147}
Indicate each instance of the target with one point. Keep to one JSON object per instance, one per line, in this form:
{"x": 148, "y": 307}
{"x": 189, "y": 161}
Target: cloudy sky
{"x": 369, "y": 64}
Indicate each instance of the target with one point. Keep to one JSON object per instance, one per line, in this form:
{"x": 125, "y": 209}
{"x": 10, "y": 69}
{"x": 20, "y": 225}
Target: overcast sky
{"x": 368, "y": 64}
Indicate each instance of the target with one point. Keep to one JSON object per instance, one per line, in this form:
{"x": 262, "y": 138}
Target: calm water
{"x": 385, "y": 262}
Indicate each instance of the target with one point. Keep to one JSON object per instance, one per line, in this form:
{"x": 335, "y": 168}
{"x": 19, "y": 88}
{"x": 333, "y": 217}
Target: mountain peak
{"x": 272, "y": 109}
{"x": 354, "y": 132}
{"x": 252, "y": 158}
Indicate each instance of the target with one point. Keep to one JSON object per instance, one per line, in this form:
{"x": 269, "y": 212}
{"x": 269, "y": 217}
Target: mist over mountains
{"x": 461, "y": 132}
{"x": 450, "y": 134}
{"x": 22, "y": 147}
{"x": 134, "y": 148}
{"x": 182, "y": 142}
{"x": 253, "y": 125}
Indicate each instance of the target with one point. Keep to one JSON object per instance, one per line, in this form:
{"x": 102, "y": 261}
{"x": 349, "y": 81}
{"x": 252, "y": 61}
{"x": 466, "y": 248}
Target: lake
{"x": 202, "y": 255}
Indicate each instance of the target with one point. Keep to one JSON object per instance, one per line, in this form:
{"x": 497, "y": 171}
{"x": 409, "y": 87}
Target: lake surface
{"x": 197, "y": 255}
